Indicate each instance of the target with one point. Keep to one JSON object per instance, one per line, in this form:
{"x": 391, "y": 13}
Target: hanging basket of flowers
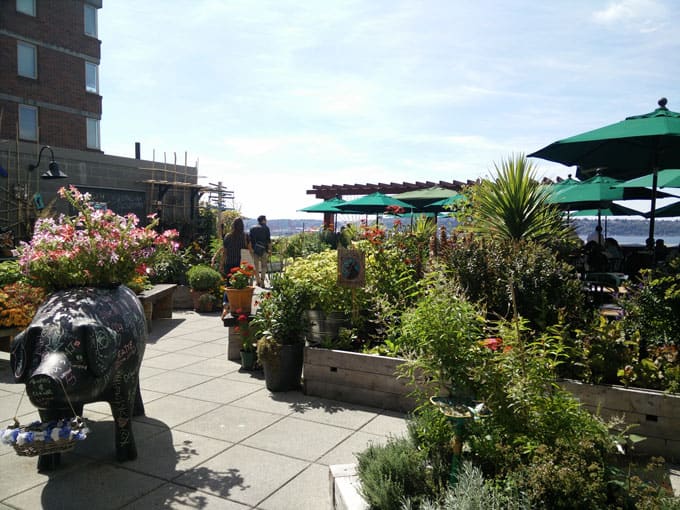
{"x": 41, "y": 438}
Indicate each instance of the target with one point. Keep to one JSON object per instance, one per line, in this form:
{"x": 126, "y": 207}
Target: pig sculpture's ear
{"x": 101, "y": 348}
{"x": 21, "y": 352}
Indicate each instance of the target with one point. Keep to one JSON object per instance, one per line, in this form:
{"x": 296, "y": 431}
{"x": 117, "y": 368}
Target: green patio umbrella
{"x": 668, "y": 211}
{"x": 665, "y": 179}
{"x": 421, "y": 197}
{"x": 636, "y": 146}
{"x": 374, "y": 203}
{"x": 597, "y": 193}
{"x": 327, "y": 206}
{"x": 598, "y": 189}
{"x": 443, "y": 205}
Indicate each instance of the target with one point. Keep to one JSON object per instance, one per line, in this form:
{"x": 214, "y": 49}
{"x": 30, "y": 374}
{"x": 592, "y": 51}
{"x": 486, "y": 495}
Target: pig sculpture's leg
{"x": 122, "y": 407}
{"x": 139, "y": 405}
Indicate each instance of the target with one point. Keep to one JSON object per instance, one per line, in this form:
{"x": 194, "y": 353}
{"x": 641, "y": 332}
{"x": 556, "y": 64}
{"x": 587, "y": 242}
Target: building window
{"x": 92, "y": 133}
{"x": 90, "y": 20}
{"x": 91, "y": 77}
{"x": 28, "y": 123}
{"x": 26, "y": 60}
{"x": 26, "y": 7}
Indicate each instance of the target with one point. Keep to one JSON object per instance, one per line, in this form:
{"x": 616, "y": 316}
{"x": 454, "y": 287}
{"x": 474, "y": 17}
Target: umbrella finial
{"x": 662, "y": 102}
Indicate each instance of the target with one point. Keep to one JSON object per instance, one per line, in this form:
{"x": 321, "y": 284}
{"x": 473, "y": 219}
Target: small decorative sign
{"x": 351, "y": 268}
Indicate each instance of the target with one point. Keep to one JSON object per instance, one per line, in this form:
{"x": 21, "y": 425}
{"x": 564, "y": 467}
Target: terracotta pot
{"x": 240, "y": 299}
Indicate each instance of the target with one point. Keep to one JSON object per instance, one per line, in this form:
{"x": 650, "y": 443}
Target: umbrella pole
{"x": 605, "y": 227}
{"x": 599, "y": 218}
{"x": 652, "y": 212}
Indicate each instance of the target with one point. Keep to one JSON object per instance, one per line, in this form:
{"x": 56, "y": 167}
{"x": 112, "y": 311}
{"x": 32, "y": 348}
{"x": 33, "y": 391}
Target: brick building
{"x": 53, "y": 96}
{"x": 49, "y": 96}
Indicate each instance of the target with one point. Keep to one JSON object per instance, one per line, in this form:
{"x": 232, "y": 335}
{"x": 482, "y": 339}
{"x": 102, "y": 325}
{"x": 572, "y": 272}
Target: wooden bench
{"x": 6, "y": 336}
{"x": 158, "y": 302}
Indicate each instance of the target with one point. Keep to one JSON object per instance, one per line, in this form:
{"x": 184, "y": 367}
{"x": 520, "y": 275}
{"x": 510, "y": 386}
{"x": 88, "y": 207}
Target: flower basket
{"x": 41, "y": 438}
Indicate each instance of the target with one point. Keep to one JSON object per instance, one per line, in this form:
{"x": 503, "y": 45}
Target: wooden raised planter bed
{"x": 356, "y": 378}
{"x": 370, "y": 380}
{"x": 656, "y": 414}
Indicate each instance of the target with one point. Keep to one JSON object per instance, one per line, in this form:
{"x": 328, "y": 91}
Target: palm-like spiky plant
{"x": 514, "y": 205}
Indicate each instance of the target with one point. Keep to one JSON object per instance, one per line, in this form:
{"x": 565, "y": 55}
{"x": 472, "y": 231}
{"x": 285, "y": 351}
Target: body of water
{"x": 670, "y": 241}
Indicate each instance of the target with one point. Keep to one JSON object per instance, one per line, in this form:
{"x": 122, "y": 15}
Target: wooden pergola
{"x": 326, "y": 191}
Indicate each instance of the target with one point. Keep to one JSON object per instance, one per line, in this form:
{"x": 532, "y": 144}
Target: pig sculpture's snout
{"x": 46, "y": 387}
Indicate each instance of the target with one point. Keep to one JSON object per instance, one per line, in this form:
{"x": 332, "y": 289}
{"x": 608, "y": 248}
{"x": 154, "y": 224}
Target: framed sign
{"x": 351, "y": 268}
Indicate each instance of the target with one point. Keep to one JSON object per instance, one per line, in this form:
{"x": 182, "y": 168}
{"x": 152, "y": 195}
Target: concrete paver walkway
{"x": 212, "y": 437}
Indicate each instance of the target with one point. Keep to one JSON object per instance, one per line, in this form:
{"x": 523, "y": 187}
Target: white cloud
{"x": 642, "y": 15}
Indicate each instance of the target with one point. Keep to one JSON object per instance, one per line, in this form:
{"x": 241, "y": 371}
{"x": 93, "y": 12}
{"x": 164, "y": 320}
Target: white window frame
{"x": 90, "y": 12}
{"x": 30, "y": 52}
{"x": 93, "y": 137}
{"x": 91, "y": 77}
{"x": 28, "y": 114}
{"x": 26, "y": 7}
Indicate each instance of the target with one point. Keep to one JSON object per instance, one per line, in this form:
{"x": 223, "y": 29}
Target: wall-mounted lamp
{"x": 54, "y": 171}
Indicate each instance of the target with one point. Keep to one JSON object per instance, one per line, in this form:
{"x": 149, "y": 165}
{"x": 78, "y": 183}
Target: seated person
{"x": 614, "y": 254}
{"x": 596, "y": 236}
{"x": 660, "y": 251}
{"x": 596, "y": 260}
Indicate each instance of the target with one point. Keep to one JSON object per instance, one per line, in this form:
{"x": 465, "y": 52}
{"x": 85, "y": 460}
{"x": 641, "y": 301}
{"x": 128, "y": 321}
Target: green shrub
{"x": 10, "y": 272}
{"x": 652, "y": 307}
{"x": 491, "y": 271}
{"x": 168, "y": 267}
{"x": 300, "y": 245}
{"x": 280, "y": 318}
{"x": 202, "y": 277}
{"x": 431, "y": 432}
{"x": 440, "y": 337}
{"x": 316, "y": 274}
{"x": 391, "y": 472}
{"x": 471, "y": 492}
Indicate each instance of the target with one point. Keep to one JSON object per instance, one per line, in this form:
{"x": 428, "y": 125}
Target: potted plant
{"x": 282, "y": 326}
{"x": 330, "y": 305}
{"x": 203, "y": 280}
{"x": 248, "y": 346}
{"x": 94, "y": 248}
{"x": 239, "y": 289}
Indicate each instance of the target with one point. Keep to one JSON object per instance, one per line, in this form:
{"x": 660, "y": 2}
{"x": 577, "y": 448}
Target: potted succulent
{"x": 282, "y": 326}
{"x": 239, "y": 289}
{"x": 203, "y": 281}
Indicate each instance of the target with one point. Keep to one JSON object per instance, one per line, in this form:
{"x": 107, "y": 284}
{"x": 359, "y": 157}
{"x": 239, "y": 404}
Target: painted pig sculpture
{"x": 86, "y": 343}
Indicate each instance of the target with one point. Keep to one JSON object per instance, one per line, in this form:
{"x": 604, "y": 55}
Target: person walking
{"x": 235, "y": 241}
{"x": 232, "y": 244}
{"x": 261, "y": 240}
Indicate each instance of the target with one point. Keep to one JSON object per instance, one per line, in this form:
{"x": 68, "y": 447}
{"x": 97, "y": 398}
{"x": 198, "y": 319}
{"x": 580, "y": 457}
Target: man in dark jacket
{"x": 261, "y": 241}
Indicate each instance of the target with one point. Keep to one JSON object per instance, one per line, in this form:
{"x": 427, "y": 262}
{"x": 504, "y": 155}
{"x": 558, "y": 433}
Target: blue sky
{"x": 272, "y": 97}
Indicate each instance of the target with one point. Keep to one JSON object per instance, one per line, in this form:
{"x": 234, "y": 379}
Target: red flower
{"x": 493, "y": 343}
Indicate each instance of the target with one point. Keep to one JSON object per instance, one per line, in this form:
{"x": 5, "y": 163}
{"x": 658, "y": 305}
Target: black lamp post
{"x": 54, "y": 171}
